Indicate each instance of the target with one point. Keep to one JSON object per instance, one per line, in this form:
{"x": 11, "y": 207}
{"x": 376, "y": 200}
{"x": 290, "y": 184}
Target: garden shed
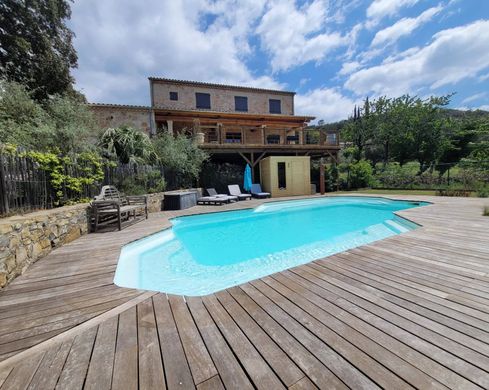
{"x": 286, "y": 175}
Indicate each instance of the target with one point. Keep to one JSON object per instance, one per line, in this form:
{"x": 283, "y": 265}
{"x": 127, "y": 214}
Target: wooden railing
{"x": 280, "y": 137}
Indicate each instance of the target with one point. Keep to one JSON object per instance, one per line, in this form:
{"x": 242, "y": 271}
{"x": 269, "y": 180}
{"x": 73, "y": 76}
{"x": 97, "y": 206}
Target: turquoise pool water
{"x": 206, "y": 253}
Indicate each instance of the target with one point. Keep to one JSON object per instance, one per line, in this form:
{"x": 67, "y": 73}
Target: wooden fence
{"x": 26, "y": 187}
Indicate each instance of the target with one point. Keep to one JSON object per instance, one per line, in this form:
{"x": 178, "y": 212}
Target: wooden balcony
{"x": 283, "y": 140}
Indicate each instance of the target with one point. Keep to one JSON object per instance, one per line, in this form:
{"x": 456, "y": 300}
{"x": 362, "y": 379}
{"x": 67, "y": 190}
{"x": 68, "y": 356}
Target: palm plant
{"x": 128, "y": 145}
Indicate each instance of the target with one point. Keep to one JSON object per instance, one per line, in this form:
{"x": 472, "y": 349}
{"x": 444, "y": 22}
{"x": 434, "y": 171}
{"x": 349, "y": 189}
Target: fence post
{"x": 4, "y": 207}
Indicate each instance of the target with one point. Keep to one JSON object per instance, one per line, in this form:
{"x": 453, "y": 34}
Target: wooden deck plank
{"x": 319, "y": 348}
{"x": 21, "y": 375}
{"x": 317, "y": 371}
{"x": 229, "y": 369}
{"x": 177, "y": 370}
{"x": 125, "y": 373}
{"x": 47, "y": 376}
{"x": 384, "y": 335}
{"x": 278, "y": 360}
{"x": 347, "y": 348}
{"x": 99, "y": 374}
{"x": 257, "y": 368}
{"x": 151, "y": 374}
{"x": 199, "y": 360}
{"x": 76, "y": 366}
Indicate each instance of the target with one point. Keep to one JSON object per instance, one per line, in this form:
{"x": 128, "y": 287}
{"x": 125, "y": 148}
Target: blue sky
{"x": 332, "y": 53}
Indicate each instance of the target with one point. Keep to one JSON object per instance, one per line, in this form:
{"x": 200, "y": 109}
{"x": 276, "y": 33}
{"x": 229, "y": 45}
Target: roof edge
{"x": 115, "y": 105}
{"x": 215, "y": 85}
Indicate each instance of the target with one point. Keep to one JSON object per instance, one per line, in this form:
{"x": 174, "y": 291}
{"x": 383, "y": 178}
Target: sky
{"x": 333, "y": 54}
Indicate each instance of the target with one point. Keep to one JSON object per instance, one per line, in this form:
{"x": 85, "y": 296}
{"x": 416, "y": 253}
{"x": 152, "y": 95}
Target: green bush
{"x": 360, "y": 174}
{"x": 486, "y": 211}
{"x": 483, "y": 192}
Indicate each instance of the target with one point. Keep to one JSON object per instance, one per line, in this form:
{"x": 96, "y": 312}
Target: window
{"x": 275, "y": 106}
{"x": 202, "y": 100}
{"x": 233, "y": 138}
{"x": 282, "y": 184}
{"x": 173, "y": 95}
{"x": 240, "y": 103}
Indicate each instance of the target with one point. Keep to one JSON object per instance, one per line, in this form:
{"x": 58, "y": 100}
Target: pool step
{"x": 396, "y": 225}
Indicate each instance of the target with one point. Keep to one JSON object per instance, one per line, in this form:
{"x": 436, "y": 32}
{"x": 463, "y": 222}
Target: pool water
{"x": 205, "y": 253}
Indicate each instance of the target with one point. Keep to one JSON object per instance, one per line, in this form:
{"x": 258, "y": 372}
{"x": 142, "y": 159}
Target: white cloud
{"x": 403, "y": 27}
{"x": 453, "y": 55}
{"x": 294, "y": 36}
{"x": 380, "y": 9}
{"x": 349, "y": 67}
{"x": 484, "y": 107}
{"x": 120, "y": 43}
{"x": 474, "y": 97}
{"x": 484, "y": 77}
{"x": 324, "y": 103}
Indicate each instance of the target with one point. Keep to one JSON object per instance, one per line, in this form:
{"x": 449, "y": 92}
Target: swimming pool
{"x": 205, "y": 253}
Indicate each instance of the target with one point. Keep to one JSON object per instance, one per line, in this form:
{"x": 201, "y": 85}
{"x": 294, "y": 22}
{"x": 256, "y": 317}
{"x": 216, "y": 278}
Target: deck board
{"x": 409, "y": 311}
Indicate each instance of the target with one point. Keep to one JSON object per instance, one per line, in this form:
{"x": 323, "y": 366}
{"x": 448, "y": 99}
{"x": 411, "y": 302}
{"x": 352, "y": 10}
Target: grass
{"x": 393, "y": 192}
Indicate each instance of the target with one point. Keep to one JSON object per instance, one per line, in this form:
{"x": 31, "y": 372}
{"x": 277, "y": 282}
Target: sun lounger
{"x": 257, "y": 192}
{"x": 213, "y": 192}
{"x": 212, "y": 200}
{"x": 236, "y": 191}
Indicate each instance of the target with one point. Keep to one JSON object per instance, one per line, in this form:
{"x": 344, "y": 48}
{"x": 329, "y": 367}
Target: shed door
{"x": 297, "y": 177}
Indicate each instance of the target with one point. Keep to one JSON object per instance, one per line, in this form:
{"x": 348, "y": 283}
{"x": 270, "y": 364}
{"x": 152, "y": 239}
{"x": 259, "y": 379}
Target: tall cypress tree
{"x": 36, "y": 45}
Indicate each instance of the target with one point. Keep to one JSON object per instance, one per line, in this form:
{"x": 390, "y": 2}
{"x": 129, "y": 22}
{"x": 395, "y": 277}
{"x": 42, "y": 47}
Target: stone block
{"x": 21, "y": 255}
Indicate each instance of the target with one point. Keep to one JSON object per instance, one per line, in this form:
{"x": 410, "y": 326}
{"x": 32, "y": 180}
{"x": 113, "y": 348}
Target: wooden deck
{"x": 410, "y": 311}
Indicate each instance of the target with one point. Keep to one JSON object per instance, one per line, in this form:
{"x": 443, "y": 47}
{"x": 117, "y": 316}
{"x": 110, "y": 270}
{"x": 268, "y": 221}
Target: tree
{"x": 61, "y": 124}
{"x": 359, "y": 129}
{"x": 179, "y": 154}
{"x": 36, "y": 45}
{"x": 128, "y": 145}
{"x": 22, "y": 120}
{"x": 74, "y": 126}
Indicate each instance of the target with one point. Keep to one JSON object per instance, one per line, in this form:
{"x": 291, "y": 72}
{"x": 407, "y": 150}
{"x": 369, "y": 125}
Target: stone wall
{"x": 155, "y": 202}
{"x": 111, "y": 115}
{"x": 26, "y": 238}
{"x": 222, "y": 98}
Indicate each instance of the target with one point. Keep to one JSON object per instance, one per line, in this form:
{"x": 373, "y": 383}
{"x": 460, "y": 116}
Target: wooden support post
{"x": 321, "y": 176}
{"x": 219, "y": 133}
{"x": 4, "y": 206}
{"x": 169, "y": 126}
{"x": 263, "y": 134}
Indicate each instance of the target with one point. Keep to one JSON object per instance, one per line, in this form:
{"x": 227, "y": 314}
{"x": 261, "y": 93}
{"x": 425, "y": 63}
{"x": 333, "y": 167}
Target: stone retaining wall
{"x": 26, "y": 238}
{"x": 155, "y": 202}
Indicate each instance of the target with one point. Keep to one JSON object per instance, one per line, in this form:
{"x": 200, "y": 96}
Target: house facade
{"x": 230, "y": 122}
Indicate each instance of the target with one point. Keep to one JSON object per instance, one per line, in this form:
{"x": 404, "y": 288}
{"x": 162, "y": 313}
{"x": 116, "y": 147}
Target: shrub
{"x": 483, "y": 192}
{"x": 486, "y": 211}
{"x": 360, "y": 174}
{"x": 180, "y": 155}
{"x": 127, "y": 145}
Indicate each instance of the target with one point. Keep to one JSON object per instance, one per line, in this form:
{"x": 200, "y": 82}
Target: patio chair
{"x": 213, "y": 192}
{"x": 236, "y": 191}
{"x": 257, "y": 192}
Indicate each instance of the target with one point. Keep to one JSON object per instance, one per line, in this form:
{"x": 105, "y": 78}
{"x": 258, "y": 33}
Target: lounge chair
{"x": 214, "y": 200}
{"x": 213, "y": 192}
{"x": 257, "y": 192}
{"x": 236, "y": 191}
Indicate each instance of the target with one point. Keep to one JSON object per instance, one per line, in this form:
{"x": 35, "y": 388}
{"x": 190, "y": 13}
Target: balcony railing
{"x": 280, "y": 137}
